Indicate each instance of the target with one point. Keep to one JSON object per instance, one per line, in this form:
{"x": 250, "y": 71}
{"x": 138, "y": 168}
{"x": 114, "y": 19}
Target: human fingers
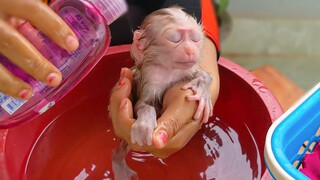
{"x": 121, "y": 111}
{"x": 14, "y": 21}
{"x": 122, "y": 117}
{"x": 48, "y": 22}
{"x": 211, "y": 109}
{"x": 177, "y": 112}
{"x": 200, "y": 109}
{"x": 178, "y": 141}
{"x": 123, "y": 126}
{"x": 13, "y": 86}
{"x": 118, "y": 108}
{"x": 126, "y": 73}
{"x": 124, "y": 121}
{"x": 206, "y": 114}
{"x": 16, "y": 48}
{"x": 208, "y": 111}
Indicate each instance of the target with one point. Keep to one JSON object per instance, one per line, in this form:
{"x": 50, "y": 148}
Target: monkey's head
{"x": 168, "y": 37}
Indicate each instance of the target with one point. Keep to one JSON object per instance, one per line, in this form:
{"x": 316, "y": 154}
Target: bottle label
{"x": 10, "y": 104}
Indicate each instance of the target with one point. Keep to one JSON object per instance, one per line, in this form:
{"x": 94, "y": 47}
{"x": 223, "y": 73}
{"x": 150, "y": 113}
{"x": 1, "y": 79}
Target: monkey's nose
{"x": 189, "y": 51}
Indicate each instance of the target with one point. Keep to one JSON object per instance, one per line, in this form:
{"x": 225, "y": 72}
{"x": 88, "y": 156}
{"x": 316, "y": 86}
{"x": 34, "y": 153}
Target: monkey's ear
{"x": 137, "y": 46}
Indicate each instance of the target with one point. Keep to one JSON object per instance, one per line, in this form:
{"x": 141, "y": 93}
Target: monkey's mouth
{"x": 185, "y": 64}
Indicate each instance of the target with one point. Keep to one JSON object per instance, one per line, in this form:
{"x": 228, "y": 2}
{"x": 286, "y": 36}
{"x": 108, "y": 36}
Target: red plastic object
{"x": 242, "y": 95}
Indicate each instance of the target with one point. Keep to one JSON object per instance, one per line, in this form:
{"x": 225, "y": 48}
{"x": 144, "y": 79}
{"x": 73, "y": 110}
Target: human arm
{"x": 174, "y": 118}
{"x": 176, "y": 122}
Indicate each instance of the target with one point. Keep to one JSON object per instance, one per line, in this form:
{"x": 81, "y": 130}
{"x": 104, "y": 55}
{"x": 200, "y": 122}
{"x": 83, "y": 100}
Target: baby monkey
{"x": 166, "y": 50}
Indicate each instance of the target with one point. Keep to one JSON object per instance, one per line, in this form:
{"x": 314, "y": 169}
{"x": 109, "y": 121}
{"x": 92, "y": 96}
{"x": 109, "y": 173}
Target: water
{"x": 78, "y": 145}
{"x": 262, "y": 88}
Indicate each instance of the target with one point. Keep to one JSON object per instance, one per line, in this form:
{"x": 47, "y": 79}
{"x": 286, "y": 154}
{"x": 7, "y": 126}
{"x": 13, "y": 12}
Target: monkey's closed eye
{"x": 195, "y": 37}
{"x": 174, "y": 37}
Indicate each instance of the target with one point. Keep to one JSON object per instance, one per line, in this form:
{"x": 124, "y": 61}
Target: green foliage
{"x": 221, "y": 6}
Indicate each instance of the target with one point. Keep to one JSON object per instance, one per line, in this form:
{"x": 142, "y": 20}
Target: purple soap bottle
{"x": 89, "y": 20}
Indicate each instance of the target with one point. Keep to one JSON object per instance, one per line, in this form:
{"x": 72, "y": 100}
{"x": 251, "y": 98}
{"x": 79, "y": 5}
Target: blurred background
{"x": 283, "y": 34}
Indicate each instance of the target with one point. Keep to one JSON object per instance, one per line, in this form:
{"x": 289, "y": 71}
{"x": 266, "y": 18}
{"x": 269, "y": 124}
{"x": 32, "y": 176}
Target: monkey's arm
{"x": 146, "y": 122}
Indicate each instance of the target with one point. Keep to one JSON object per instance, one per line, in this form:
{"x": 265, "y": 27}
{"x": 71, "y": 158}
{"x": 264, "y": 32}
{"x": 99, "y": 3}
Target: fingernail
{"x": 122, "y": 73}
{"x": 205, "y": 121}
{"x": 123, "y": 103}
{"x": 121, "y": 83}
{"x": 53, "y": 79}
{"x": 72, "y": 42}
{"x": 196, "y": 116}
{"x": 162, "y": 137}
{"x": 121, "y": 80}
{"x": 24, "y": 94}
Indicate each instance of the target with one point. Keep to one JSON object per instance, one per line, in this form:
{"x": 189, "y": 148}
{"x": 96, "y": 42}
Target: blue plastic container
{"x": 292, "y": 136}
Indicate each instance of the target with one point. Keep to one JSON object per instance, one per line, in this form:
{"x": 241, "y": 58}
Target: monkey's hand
{"x": 142, "y": 128}
{"x": 200, "y": 86}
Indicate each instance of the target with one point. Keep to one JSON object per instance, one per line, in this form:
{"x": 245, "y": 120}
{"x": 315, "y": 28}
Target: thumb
{"x": 177, "y": 112}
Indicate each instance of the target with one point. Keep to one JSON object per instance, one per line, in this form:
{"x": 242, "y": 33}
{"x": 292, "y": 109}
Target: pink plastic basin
{"x": 242, "y": 96}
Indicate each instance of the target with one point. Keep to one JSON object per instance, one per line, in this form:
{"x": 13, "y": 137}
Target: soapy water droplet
{"x": 142, "y": 156}
{"x": 233, "y": 68}
{"x": 256, "y": 82}
{"x": 261, "y": 87}
{"x": 93, "y": 166}
{"x": 106, "y": 175}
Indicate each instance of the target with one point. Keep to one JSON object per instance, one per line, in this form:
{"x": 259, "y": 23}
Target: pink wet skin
{"x": 185, "y": 43}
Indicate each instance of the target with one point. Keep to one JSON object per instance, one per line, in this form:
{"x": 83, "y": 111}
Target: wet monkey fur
{"x": 167, "y": 51}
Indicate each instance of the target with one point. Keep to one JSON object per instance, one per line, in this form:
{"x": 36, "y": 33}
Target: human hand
{"x": 22, "y": 53}
{"x": 175, "y": 127}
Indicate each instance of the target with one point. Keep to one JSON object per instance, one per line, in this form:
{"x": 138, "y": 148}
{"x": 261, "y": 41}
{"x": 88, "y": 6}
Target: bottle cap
{"x": 111, "y": 9}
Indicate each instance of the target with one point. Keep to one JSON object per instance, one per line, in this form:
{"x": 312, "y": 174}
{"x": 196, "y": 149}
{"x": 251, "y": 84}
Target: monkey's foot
{"x": 142, "y": 130}
{"x": 201, "y": 92}
{"x": 122, "y": 171}
{"x": 120, "y": 168}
